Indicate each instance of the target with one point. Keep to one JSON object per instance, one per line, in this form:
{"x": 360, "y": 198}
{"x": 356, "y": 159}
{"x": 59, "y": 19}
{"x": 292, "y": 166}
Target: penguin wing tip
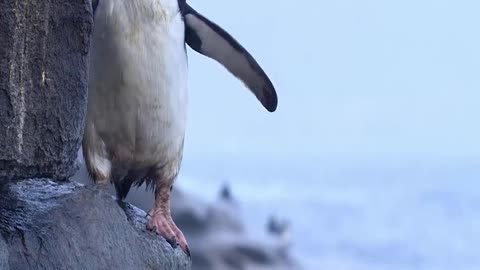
{"x": 270, "y": 98}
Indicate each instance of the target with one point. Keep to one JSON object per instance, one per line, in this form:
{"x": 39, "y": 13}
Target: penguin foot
{"x": 161, "y": 222}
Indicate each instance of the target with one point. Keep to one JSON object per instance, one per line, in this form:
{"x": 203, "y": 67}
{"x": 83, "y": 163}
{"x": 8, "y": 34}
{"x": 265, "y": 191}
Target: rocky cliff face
{"x": 44, "y": 48}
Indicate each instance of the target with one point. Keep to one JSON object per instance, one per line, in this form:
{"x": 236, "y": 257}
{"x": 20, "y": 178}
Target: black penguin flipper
{"x": 209, "y": 39}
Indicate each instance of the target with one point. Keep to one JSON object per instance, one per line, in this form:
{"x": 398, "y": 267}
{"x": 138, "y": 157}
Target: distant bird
{"x": 278, "y": 227}
{"x": 226, "y": 193}
{"x": 137, "y": 103}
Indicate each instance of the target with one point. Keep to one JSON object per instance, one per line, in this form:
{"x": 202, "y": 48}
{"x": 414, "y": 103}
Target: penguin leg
{"x": 95, "y": 155}
{"x": 160, "y": 219}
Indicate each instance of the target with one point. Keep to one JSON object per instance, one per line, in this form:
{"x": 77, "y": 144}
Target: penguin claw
{"x": 173, "y": 242}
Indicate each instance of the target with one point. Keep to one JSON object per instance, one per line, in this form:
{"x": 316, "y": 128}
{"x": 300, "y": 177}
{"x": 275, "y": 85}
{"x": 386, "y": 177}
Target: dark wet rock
{"x": 44, "y": 47}
{"x": 47, "y": 225}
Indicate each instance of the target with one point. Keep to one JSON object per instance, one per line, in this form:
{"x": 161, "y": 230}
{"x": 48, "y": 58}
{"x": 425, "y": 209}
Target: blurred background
{"x": 373, "y": 155}
{"x": 355, "y": 79}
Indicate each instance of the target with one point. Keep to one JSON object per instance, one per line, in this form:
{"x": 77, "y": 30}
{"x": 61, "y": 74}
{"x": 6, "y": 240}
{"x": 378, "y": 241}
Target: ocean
{"x": 358, "y": 213}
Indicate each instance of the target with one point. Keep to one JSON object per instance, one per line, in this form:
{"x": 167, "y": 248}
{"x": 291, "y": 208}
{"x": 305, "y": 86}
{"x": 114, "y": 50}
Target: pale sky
{"x": 353, "y": 78}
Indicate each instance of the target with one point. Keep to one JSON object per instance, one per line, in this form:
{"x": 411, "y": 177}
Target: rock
{"x": 3, "y": 255}
{"x": 44, "y": 49}
{"x": 48, "y": 225}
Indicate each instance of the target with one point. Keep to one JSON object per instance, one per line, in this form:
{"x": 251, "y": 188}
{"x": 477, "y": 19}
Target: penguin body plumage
{"x": 138, "y": 97}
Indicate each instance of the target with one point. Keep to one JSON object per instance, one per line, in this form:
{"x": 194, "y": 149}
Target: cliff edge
{"x": 49, "y": 225}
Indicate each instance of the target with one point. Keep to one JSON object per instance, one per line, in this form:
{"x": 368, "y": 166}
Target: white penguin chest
{"x": 139, "y": 76}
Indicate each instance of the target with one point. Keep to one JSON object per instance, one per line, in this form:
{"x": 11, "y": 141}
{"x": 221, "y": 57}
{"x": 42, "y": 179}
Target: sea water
{"x": 357, "y": 214}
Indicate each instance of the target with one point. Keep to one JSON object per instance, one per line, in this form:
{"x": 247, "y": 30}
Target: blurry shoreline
{"x": 364, "y": 214}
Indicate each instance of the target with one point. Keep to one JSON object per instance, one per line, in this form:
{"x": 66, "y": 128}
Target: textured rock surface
{"x": 46, "y": 225}
{"x": 43, "y": 85}
{"x": 3, "y": 255}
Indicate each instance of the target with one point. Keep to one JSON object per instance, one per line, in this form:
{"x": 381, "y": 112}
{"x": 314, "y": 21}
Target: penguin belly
{"x": 137, "y": 103}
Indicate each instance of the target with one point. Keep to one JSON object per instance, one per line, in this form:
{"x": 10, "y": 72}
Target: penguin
{"x": 137, "y": 95}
